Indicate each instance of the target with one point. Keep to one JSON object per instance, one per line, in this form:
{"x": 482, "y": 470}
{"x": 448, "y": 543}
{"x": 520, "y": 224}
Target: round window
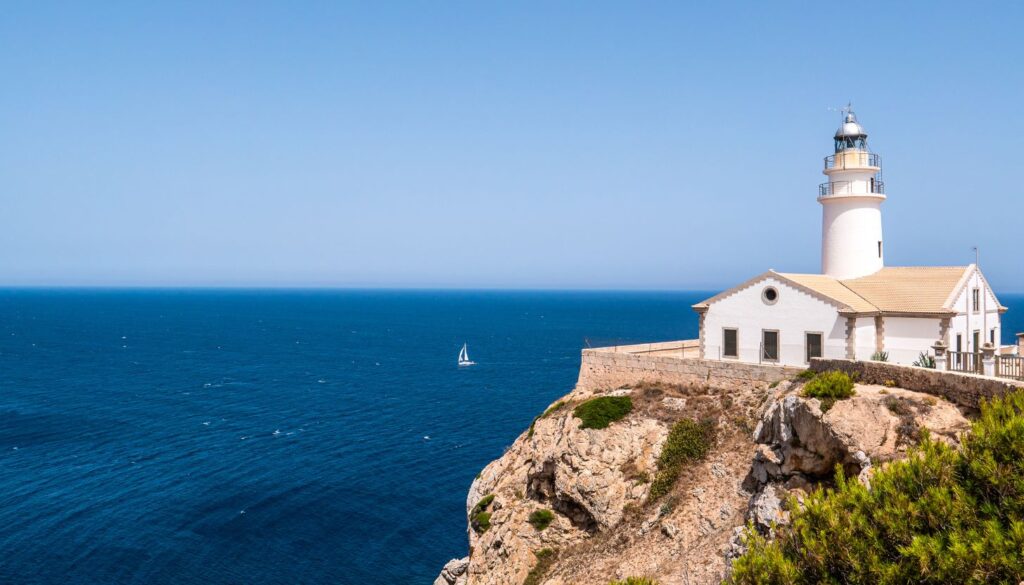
{"x": 769, "y": 295}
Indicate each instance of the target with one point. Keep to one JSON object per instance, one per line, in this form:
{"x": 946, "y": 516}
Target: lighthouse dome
{"x": 851, "y": 128}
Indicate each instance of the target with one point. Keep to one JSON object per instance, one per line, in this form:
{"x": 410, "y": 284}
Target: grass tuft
{"x": 545, "y": 558}
{"x": 688, "y": 441}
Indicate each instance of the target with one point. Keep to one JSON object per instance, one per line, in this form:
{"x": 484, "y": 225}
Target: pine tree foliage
{"x": 943, "y": 515}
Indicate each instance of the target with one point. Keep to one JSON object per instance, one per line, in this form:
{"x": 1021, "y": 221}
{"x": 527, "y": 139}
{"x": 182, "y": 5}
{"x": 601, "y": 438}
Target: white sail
{"x": 464, "y": 357}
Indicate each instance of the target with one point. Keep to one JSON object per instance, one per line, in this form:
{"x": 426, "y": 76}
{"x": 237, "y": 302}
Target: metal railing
{"x": 852, "y": 160}
{"x": 1010, "y": 366}
{"x": 964, "y": 361}
{"x": 845, "y": 188}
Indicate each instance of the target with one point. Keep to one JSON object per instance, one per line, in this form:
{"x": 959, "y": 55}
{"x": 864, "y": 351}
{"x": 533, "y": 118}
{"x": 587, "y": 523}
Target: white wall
{"x": 967, "y": 321}
{"x": 794, "y": 313}
{"x": 907, "y": 337}
{"x": 865, "y": 342}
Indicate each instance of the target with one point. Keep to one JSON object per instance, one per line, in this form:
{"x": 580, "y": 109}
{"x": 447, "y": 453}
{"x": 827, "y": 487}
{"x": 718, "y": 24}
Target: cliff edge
{"x": 664, "y": 489}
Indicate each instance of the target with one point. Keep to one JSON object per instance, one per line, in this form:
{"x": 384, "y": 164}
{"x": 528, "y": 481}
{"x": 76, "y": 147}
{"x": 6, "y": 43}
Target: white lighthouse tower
{"x": 851, "y": 201}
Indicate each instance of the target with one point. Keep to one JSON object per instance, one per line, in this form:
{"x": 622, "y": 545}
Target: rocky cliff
{"x": 574, "y": 505}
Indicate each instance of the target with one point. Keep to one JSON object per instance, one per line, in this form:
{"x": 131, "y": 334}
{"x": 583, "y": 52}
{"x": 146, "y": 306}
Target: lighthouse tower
{"x": 851, "y": 201}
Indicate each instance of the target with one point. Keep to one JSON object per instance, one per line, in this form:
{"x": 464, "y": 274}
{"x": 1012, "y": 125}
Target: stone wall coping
{"x": 646, "y": 347}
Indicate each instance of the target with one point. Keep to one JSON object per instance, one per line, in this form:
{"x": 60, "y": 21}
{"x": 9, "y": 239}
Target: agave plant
{"x": 880, "y": 356}
{"x": 925, "y": 360}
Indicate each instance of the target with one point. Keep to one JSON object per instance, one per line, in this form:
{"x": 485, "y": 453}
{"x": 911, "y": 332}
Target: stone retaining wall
{"x": 609, "y": 368}
{"x": 963, "y": 389}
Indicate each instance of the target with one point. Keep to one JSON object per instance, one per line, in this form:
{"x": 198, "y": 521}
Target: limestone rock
{"x": 766, "y": 510}
{"x": 453, "y": 573}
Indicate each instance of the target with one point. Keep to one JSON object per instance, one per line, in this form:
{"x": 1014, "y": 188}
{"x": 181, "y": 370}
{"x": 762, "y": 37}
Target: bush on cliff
{"x": 598, "y": 413}
{"x": 829, "y": 387}
{"x": 943, "y": 515}
{"x": 635, "y": 581}
{"x": 479, "y": 517}
{"x": 541, "y": 519}
{"x": 688, "y": 441}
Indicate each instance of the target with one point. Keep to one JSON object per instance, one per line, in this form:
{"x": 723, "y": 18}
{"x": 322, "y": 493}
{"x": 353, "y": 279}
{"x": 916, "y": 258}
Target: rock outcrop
{"x": 453, "y": 573}
{"x": 769, "y": 445}
{"x": 799, "y": 444}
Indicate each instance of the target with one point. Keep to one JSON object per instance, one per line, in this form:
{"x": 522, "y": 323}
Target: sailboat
{"x": 464, "y": 357}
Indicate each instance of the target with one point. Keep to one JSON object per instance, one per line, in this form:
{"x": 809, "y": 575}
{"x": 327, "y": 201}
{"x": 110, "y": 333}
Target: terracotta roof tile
{"x": 910, "y": 289}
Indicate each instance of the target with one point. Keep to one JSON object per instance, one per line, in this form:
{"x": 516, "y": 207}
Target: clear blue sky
{"x": 478, "y": 144}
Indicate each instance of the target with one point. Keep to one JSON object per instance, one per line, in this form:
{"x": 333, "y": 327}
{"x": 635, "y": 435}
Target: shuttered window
{"x": 770, "y": 346}
{"x": 730, "y": 343}
{"x": 813, "y": 346}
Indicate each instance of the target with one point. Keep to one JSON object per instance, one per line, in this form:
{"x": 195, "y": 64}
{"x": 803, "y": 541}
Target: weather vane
{"x": 844, "y": 110}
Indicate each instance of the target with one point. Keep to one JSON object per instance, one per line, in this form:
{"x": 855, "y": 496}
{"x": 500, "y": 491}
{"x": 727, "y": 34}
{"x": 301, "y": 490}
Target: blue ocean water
{"x": 264, "y": 437}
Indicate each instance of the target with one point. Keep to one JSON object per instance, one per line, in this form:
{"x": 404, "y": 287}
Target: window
{"x": 769, "y": 295}
{"x": 812, "y": 347}
{"x": 879, "y": 248}
{"x": 730, "y": 343}
{"x": 959, "y": 342}
{"x": 977, "y": 341}
{"x": 992, "y": 336}
{"x": 770, "y": 346}
{"x": 976, "y": 300}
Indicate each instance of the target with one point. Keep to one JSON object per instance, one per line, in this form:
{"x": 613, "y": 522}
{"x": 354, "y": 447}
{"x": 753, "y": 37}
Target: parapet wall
{"x": 963, "y": 389}
{"x": 614, "y": 367}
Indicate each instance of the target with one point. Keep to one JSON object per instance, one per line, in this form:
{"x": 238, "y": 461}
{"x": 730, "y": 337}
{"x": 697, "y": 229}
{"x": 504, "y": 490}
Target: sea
{"x": 278, "y": 436}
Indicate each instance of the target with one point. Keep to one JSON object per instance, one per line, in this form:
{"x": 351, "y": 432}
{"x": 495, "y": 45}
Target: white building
{"x": 857, "y": 308}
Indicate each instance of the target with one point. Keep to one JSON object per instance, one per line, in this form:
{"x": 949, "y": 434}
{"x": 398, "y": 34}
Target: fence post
{"x": 988, "y": 359}
{"x": 940, "y": 355}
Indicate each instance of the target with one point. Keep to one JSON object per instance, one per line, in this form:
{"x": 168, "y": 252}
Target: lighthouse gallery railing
{"x": 852, "y": 160}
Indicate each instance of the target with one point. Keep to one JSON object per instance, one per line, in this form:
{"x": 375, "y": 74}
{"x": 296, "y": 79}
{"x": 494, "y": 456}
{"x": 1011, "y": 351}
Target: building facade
{"x": 857, "y": 308}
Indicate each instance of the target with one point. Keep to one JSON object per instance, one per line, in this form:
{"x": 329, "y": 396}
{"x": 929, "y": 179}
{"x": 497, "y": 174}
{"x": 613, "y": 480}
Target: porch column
{"x": 988, "y": 359}
{"x": 700, "y": 333}
{"x": 851, "y": 338}
{"x": 1020, "y": 344}
{"x": 879, "y": 333}
{"x": 944, "y": 324}
{"x": 940, "y": 355}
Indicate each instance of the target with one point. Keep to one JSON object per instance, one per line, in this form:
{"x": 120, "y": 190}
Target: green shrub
{"x": 545, "y": 558}
{"x": 541, "y": 519}
{"x": 925, "y": 360}
{"x": 598, "y": 413}
{"x": 483, "y": 503}
{"x": 635, "y": 581}
{"x": 481, "y": 522}
{"x": 479, "y": 517}
{"x": 834, "y": 384}
{"x": 806, "y": 375}
{"x": 943, "y": 515}
{"x": 880, "y": 356}
{"x": 688, "y": 441}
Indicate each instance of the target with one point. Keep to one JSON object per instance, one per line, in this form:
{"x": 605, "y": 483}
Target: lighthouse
{"x": 851, "y": 201}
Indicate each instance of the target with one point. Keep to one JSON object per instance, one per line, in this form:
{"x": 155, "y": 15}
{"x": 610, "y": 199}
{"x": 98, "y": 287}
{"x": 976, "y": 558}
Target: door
{"x": 812, "y": 346}
{"x": 770, "y": 346}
